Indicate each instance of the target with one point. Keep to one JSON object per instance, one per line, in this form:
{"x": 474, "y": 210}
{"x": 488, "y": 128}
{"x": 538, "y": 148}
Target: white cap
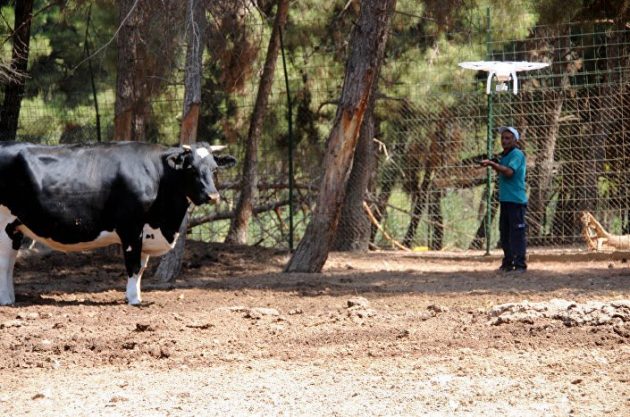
{"x": 510, "y": 129}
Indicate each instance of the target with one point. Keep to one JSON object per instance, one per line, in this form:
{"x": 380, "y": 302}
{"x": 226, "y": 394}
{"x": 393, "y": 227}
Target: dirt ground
{"x": 384, "y": 334}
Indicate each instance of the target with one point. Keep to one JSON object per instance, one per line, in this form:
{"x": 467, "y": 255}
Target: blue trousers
{"x": 513, "y": 230}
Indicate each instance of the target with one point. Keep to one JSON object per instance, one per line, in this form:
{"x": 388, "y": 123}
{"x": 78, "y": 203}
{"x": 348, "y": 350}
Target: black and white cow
{"x": 81, "y": 197}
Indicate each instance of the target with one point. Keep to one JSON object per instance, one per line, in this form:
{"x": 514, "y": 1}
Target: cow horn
{"x": 217, "y": 148}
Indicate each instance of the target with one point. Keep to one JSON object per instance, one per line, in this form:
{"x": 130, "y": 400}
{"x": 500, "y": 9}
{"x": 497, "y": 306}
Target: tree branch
{"x": 197, "y": 221}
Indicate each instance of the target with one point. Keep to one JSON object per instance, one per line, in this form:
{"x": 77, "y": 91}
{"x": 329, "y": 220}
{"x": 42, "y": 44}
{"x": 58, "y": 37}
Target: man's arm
{"x": 501, "y": 169}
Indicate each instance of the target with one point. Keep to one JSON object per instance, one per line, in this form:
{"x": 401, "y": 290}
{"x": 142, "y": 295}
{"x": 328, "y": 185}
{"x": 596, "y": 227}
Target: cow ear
{"x": 227, "y": 161}
{"x": 180, "y": 158}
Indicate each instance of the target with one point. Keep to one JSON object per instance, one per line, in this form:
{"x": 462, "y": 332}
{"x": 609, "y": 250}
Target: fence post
{"x": 489, "y": 140}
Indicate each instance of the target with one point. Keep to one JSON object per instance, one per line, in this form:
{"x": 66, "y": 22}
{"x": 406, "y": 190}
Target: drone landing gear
{"x": 502, "y": 83}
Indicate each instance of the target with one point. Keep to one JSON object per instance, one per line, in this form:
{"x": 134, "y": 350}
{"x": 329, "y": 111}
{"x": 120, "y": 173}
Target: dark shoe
{"x": 519, "y": 270}
{"x": 503, "y": 269}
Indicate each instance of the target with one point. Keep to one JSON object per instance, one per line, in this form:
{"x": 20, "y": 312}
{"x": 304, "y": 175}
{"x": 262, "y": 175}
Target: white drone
{"x": 503, "y": 71}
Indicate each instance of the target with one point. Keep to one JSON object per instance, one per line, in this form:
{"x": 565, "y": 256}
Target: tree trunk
{"x": 353, "y": 232}
{"x": 420, "y": 200}
{"x": 542, "y": 177}
{"x": 440, "y": 144}
{"x": 142, "y": 65}
{"x": 566, "y": 211}
{"x": 366, "y": 47}
{"x": 583, "y": 163}
{"x": 249, "y": 181}
{"x": 543, "y": 172}
{"x": 14, "y": 90}
{"x": 127, "y": 123}
{"x": 171, "y": 263}
{"x": 389, "y": 177}
{"x": 391, "y": 170}
{"x": 591, "y": 162}
{"x": 436, "y": 220}
{"x": 480, "y": 235}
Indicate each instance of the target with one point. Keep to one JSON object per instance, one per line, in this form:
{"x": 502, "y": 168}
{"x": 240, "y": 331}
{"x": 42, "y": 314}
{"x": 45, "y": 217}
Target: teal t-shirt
{"x": 512, "y": 190}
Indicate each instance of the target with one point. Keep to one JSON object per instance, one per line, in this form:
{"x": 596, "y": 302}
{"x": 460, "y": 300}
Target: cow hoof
{"x": 134, "y": 303}
{"x": 133, "y": 300}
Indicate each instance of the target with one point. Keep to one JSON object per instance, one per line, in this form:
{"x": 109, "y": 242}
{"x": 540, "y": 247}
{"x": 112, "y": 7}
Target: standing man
{"x": 511, "y": 170}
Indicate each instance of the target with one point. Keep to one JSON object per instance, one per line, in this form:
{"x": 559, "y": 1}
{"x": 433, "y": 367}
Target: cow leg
{"x": 7, "y": 262}
{"x": 8, "y": 254}
{"x": 135, "y": 263}
{"x": 133, "y": 294}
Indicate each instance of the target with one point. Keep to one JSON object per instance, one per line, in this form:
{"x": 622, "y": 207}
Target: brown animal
{"x": 598, "y": 239}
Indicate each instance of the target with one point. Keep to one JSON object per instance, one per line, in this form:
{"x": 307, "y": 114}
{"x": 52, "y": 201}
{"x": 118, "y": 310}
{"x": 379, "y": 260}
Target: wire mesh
{"x": 426, "y": 188}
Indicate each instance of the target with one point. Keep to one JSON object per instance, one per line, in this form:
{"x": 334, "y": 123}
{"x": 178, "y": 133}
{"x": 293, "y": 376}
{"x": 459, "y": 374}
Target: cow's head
{"x": 197, "y": 164}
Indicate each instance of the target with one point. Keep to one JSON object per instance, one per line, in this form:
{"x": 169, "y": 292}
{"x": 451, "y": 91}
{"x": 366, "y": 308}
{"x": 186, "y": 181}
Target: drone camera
{"x": 501, "y": 87}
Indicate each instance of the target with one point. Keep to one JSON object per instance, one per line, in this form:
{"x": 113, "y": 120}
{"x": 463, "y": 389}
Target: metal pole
{"x": 489, "y": 142}
{"x": 489, "y": 177}
{"x": 290, "y": 123}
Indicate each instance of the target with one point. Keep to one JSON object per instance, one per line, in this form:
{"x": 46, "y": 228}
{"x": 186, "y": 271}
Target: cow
{"x": 83, "y": 197}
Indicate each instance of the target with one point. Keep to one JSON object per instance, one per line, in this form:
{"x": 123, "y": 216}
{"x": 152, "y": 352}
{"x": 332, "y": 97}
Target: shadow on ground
{"x": 219, "y": 267}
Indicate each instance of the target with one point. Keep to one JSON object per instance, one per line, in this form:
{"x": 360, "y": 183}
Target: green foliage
{"x": 422, "y": 92}
{"x": 218, "y": 106}
{"x": 58, "y": 52}
{"x": 558, "y": 12}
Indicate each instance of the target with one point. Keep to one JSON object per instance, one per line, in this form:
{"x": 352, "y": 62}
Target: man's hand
{"x": 506, "y": 171}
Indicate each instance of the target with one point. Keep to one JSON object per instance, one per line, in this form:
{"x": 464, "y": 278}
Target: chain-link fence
{"x": 573, "y": 123}
{"x": 430, "y": 132}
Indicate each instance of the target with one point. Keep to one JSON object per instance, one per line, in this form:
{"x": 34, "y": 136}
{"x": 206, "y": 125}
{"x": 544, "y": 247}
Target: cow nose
{"x": 214, "y": 197}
